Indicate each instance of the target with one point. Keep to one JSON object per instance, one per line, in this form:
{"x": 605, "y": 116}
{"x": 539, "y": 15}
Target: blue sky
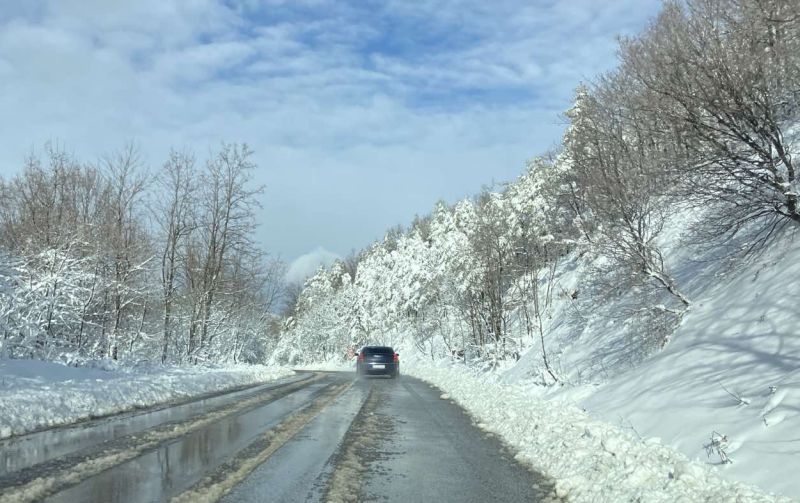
{"x": 362, "y": 114}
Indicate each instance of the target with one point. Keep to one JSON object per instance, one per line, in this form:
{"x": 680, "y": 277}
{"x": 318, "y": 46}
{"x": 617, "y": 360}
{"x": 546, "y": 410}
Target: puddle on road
{"x": 176, "y": 466}
{"x": 18, "y": 453}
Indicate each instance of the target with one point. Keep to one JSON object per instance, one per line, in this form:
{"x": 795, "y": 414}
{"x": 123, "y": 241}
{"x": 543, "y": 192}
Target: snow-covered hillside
{"x": 589, "y": 459}
{"x": 731, "y": 370}
{"x": 725, "y": 385}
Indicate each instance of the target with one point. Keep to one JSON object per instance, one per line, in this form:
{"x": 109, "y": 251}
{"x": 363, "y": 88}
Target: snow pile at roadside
{"x": 731, "y": 369}
{"x": 331, "y": 366}
{"x": 590, "y": 460}
{"x": 36, "y": 394}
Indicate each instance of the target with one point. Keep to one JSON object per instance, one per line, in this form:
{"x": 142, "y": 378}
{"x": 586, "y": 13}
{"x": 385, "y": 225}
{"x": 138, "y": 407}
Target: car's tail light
{"x": 361, "y": 356}
{"x": 396, "y": 358}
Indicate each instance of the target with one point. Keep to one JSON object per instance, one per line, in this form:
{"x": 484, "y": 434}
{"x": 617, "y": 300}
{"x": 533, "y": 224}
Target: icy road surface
{"x": 320, "y": 436}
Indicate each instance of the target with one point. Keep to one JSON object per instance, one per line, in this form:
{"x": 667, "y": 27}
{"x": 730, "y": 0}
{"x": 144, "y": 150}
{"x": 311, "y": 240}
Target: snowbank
{"x": 37, "y": 394}
{"x": 590, "y": 460}
{"x": 331, "y": 366}
{"x": 731, "y": 369}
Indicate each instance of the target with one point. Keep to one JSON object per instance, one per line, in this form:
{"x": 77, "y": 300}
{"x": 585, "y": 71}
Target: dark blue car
{"x": 378, "y": 360}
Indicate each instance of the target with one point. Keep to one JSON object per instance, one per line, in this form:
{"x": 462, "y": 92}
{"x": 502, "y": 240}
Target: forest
{"x": 107, "y": 260}
{"x": 695, "y": 125}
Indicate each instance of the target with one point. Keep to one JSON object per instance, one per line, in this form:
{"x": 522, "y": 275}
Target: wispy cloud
{"x": 362, "y": 113}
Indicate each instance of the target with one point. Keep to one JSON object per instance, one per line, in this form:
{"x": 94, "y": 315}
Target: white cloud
{"x": 304, "y": 266}
{"x": 354, "y": 132}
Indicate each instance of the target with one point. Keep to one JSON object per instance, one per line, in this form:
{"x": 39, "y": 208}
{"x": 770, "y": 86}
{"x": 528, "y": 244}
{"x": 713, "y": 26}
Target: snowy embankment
{"x": 724, "y": 392}
{"x": 36, "y": 394}
{"x": 589, "y": 460}
{"x": 725, "y": 389}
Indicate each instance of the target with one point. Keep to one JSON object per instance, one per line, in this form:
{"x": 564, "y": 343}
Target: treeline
{"x": 699, "y": 118}
{"x": 108, "y": 260}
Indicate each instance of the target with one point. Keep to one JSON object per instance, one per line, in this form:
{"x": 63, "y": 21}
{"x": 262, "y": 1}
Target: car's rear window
{"x": 379, "y": 351}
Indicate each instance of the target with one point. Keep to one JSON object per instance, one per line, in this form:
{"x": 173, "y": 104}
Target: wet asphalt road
{"x": 313, "y": 437}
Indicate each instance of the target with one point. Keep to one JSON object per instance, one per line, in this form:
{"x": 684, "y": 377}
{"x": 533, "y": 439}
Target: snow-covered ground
{"x": 730, "y": 370}
{"x": 725, "y": 385}
{"x": 36, "y": 394}
{"x": 331, "y": 366}
{"x": 589, "y": 459}
{"x": 732, "y": 367}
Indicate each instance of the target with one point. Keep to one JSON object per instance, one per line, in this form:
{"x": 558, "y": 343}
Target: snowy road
{"x": 313, "y": 437}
